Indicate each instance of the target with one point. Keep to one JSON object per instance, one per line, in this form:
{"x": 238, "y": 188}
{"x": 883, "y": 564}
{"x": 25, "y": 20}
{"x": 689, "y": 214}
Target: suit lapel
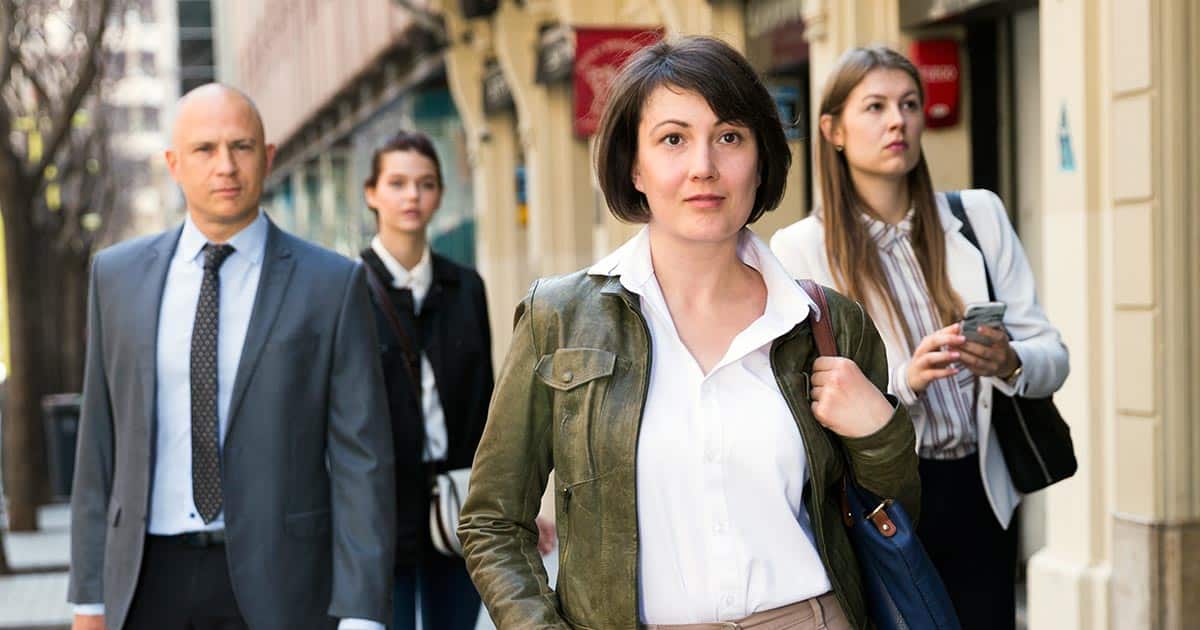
{"x": 148, "y": 299}
{"x": 272, "y": 287}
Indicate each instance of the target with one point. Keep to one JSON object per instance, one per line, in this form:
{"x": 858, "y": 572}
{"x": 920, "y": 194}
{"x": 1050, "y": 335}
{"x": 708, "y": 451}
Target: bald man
{"x": 235, "y": 455}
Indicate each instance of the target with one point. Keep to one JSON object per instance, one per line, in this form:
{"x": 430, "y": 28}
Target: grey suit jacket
{"x": 307, "y": 465}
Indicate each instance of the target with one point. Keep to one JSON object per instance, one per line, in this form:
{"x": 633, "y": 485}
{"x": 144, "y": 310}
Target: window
{"x": 146, "y": 63}
{"x": 195, "y": 52}
{"x": 195, "y": 14}
{"x": 149, "y": 118}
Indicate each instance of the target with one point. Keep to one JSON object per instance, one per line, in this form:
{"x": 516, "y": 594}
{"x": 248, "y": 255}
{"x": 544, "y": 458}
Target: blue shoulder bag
{"x": 902, "y": 588}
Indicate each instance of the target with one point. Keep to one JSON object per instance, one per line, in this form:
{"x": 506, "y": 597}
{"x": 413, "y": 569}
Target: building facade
{"x": 1079, "y": 113}
{"x": 139, "y": 100}
{"x": 333, "y": 82}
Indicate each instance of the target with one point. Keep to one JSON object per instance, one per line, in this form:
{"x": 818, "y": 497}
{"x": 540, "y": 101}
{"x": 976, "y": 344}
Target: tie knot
{"x": 215, "y": 255}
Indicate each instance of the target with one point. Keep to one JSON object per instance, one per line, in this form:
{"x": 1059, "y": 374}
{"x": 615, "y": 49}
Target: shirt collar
{"x": 250, "y": 241}
{"x": 886, "y": 234}
{"x": 787, "y": 303}
{"x": 419, "y": 277}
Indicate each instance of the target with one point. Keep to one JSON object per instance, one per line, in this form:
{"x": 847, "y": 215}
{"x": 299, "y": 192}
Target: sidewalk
{"x": 35, "y": 598}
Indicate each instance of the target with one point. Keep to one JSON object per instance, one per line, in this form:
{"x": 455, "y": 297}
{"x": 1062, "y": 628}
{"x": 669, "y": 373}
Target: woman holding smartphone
{"x": 884, "y": 238}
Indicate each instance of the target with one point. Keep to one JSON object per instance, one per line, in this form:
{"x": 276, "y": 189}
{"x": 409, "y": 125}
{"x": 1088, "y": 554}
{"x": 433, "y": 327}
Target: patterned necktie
{"x": 206, "y": 465}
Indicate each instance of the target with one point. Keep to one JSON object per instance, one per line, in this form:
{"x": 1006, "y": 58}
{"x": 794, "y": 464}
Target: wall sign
{"x": 599, "y": 55}
{"x": 556, "y": 54}
{"x": 497, "y": 96}
{"x": 1066, "y": 155}
{"x": 937, "y": 61}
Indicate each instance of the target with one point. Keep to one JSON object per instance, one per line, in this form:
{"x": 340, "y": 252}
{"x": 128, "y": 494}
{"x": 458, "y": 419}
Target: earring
{"x": 838, "y": 147}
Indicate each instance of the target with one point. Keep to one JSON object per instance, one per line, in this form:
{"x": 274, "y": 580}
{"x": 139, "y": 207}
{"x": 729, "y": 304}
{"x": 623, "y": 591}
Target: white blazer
{"x": 1044, "y": 360}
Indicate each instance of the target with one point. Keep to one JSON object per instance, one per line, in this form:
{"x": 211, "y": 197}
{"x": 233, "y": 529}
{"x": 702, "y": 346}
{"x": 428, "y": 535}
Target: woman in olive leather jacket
{"x": 697, "y": 440}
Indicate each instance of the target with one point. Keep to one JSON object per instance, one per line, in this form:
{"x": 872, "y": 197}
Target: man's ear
{"x": 270, "y": 158}
{"x": 172, "y": 159}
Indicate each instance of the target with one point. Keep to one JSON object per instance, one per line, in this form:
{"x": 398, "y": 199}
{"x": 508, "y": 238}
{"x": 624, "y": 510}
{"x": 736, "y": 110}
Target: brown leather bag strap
{"x": 393, "y": 318}
{"x": 822, "y": 328}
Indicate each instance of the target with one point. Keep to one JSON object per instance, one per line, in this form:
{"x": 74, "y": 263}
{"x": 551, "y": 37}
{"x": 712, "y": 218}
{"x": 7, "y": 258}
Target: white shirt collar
{"x": 250, "y": 241}
{"x": 787, "y": 303}
{"x": 419, "y": 278}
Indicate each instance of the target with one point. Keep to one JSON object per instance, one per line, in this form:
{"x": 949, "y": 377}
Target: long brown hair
{"x": 853, "y": 255}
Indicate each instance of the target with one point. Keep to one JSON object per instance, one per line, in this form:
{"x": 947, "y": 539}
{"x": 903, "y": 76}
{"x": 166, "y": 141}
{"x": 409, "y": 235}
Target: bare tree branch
{"x": 32, "y": 77}
{"x": 84, "y": 82}
{"x": 7, "y": 20}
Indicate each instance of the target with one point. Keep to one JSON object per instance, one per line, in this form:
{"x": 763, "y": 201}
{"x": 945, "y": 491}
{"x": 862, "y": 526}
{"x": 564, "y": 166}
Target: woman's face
{"x": 880, "y": 126}
{"x": 406, "y": 193}
{"x": 699, "y": 174}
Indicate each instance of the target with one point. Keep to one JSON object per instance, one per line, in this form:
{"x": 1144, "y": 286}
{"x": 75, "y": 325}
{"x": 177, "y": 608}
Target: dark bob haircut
{"x": 721, "y": 75}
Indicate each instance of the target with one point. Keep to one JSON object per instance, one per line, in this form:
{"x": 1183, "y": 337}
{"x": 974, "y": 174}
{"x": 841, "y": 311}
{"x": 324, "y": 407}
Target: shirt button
{"x": 567, "y": 376}
{"x": 718, "y": 527}
{"x": 710, "y": 455}
{"x": 729, "y": 600}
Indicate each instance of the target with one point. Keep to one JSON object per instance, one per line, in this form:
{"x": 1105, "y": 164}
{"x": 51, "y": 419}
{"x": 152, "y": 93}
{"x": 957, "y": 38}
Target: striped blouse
{"x": 947, "y": 404}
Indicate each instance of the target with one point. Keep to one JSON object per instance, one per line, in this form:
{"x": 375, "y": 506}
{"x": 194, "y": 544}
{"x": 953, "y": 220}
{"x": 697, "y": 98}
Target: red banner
{"x": 599, "y": 55}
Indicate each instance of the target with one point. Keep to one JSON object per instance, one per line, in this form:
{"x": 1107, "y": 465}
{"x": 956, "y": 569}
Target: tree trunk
{"x": 47, "y": 302}
{"x": 24, "y": 444}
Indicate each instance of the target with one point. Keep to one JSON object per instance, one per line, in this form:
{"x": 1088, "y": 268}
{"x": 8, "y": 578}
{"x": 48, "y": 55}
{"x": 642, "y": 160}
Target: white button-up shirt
{"x": 721, "y": 468}
{"x": 172, "y": 508}
{"x": 419, "y": 279}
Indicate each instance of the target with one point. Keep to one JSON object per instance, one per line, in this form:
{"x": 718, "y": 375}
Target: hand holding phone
{"x": 979, "y": 314}
{"x": 987, "y": 353}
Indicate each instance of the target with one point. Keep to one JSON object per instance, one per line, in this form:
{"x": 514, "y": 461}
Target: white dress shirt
{"x": 721, "y": 468}
{"x": 419, "y": 280}
{"x": 172, "y": 508}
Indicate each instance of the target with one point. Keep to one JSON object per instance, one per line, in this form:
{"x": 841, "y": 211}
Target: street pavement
{"x": 35, "y": 597}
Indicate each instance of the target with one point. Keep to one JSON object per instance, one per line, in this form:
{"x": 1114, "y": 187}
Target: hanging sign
{"x": 937, "y": 61}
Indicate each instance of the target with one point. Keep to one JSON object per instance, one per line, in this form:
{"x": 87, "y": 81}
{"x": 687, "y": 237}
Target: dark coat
{"x": 452, "y": 331}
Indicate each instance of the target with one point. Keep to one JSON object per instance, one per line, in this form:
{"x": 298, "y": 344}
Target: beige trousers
{"x": 817, "y": 613}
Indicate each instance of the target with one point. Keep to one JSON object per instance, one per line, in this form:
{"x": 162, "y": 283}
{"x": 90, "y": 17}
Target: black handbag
{"x": 1034, "y": 438}
{"x": 902, "y": 587}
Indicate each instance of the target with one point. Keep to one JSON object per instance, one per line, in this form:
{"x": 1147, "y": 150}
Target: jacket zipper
{"x": 1029, "y": 440}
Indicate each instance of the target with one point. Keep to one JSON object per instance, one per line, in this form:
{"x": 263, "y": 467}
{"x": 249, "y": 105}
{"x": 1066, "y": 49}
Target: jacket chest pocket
{"x": 580, "y": 378}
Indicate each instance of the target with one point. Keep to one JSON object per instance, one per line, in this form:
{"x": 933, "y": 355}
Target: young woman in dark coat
{"x": 438, "y": 419}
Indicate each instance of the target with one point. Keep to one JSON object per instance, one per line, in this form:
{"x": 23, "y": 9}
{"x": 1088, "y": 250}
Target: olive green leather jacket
{"x": 570, "y": 398}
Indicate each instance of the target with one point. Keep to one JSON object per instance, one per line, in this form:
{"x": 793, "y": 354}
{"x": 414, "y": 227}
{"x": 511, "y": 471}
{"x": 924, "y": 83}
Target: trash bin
{"x": 61, "y": 415}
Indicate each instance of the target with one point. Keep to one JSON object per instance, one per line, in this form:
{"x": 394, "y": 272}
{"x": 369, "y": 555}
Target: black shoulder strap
{"x": 393, "y": 319}
{"x": 956, "y": 208}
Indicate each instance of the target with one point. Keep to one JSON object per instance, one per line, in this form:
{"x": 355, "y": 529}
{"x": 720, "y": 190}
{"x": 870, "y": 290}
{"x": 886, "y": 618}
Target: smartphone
{"x": 982, "y": 314}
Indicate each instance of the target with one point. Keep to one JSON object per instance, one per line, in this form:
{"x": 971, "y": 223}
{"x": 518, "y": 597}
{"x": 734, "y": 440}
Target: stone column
{"x": 492, "y": 149}
{"x": 1068, "y": 579}
{"x": 1150, "y": 87}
